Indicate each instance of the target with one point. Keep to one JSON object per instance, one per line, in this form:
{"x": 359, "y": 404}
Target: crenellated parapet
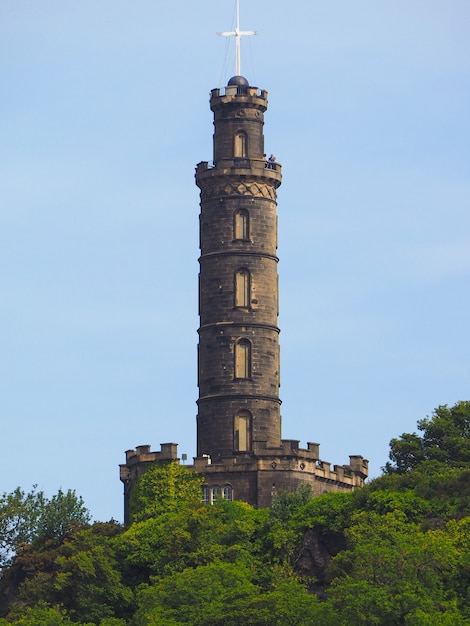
{"x": 243, "y": 93}
{"x": 143, "y": 454}
{"x": 259, "y": 477}
{"x": 256, "y": 477}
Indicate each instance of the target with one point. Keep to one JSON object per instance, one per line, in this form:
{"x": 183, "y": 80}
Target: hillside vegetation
{"x": 395, "y": 552}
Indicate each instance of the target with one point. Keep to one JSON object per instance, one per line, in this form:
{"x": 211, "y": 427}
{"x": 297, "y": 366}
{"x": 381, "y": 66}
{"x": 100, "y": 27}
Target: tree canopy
{"x": 395, "y": 552}
{"x": 32, "y": 518}
{"x": 444, "y": 442}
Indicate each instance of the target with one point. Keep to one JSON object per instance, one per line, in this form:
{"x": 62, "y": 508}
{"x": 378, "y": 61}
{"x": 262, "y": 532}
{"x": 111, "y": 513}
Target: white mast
{"x": 238, "y": 34}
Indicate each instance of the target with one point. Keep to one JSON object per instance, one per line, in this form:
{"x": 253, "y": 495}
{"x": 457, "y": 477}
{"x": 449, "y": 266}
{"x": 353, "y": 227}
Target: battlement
{"x": 143, "y": 454}
{"x": 359, "y": 465}
{"x": 255, "y": 476}
{"x": 289, "y": 459}
{"x": 239, "y": 100}
{"x": 230, "y": 91}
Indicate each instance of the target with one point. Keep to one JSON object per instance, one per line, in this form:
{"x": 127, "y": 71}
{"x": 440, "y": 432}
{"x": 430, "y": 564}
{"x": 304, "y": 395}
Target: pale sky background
{"x": 104, "y": 115}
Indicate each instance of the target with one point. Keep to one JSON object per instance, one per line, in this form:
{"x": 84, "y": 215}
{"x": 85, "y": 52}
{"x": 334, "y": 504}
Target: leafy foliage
{"x": 287, "y": 503}
{"x": 391, "y": 570}
{"x": 42, "y": 613}
{"x": 162, "y": 488}
{"x": 81, "y": 575}
{"x": 330, "y": 511}
{"x": 191, "y": 537}
{"x": 393, "y": 553}
{"x": 27, "y": 518}
{"x": 445, "y": 442}
{"x": 19, "y": 515}
{"x": 224, "y": 594}
{"x": 58, "y": 514}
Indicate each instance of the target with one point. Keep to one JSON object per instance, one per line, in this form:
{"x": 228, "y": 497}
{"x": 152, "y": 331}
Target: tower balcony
{"x": 267, "y": 172}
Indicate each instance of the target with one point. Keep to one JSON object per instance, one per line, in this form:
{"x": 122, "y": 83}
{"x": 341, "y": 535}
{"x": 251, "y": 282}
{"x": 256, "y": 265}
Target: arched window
{"x": 241, "y": 224}
{"x": 242, "y": 288}
{"x": 227, "y": 493}
{"x": 216, "y": 493}
{"x": 240, "y": 144}
{"x": 242, "y": 431}
{"x": 243, "y": 359}
{"x": 210, "y": 494}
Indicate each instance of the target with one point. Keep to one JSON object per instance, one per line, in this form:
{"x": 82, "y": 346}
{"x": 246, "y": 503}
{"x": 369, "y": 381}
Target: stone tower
{"x": 240, "y": 451}
{"x": 238, "y": 356}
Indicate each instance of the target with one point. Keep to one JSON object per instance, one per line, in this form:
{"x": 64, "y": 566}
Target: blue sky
{"x": 104, "y": 115}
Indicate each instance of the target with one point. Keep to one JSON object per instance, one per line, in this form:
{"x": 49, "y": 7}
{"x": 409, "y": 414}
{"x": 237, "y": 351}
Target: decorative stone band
{"x": 231, "y": 324}
{"x": 253, "y": 189}
{"x": 244, "y": 253}
{"x": 237, "y": 396}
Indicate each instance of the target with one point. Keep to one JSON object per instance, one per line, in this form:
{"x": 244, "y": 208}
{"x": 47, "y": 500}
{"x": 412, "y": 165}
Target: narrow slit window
{"x": 242, "y": 288}
{"x": 242, "y": 431}
{"x": 240, "y": 144}
{"x": 243, "y": 359}
{"x": 241, "y": 225}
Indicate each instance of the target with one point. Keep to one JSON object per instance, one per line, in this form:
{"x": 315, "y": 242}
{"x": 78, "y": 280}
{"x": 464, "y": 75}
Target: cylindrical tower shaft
{"x": 238, "y": 361}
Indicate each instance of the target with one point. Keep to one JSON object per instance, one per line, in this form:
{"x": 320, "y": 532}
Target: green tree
{"x": 162, "y": 488}
{"x": 27, "y": 518}
{"x": 287, "y": 503}
{"x": 199, "y": 596}
{"x": 82, "y": 576}
{"x": 190, "y": 537}
{"x": 383, "y": 501}
{"x": 225, "y": 594}
{"x": 445, "y": 442}
{"x": 40, "y": 615}
{"x": 19, "y": 515}
{"x": 393, "y": 573}
{"x": 459, "y": 532}
{"x": 58, "y": 514}
{"x": 330, "y": 511}
{"x": 281, "y": 538}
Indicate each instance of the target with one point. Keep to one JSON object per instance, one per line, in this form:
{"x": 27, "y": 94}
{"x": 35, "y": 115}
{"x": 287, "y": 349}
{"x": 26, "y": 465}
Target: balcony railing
{"x": 239, "y": 163}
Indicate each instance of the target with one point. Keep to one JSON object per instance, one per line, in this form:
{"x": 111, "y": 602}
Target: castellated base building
{"x": 240, "y": 451}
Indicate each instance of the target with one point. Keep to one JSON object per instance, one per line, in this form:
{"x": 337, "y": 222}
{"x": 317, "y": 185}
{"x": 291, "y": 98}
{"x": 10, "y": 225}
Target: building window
{"x": 241, "y": 225}
{"x": 227, "y": 493}
{"x": 243, "y": 359}
{"x": 242, "y": 431}
{"x": 210, "y": 494}
{"x": 215, "y": 493}
{"x": 242, "y": 288}
{"x": 240, "y": 142}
